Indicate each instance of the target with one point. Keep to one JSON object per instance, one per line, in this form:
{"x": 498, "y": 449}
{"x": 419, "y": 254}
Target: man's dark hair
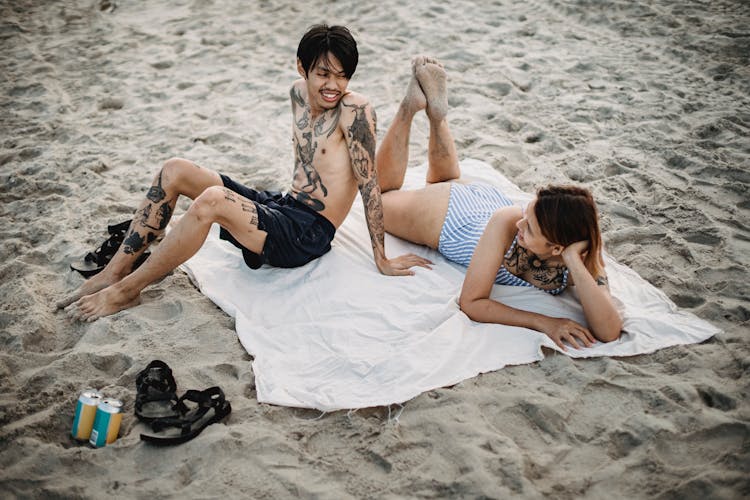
{"x": 320, "y": 40}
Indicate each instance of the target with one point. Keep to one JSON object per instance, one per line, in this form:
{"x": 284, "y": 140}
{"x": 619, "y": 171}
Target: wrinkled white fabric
{"x": 336, "y": 334}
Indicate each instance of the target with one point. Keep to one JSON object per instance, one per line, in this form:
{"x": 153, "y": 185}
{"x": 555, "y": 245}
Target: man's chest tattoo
{"x": 304, "y": 167}
{"x": 307, "y": 139}
{"x": 327, "y": 123}
{"x": 536, "y": 271}
{"x": 304, "y": 120}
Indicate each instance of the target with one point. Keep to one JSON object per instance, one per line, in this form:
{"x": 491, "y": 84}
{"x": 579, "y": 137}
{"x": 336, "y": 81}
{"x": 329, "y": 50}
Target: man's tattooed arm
{"x": 360, "y": 137}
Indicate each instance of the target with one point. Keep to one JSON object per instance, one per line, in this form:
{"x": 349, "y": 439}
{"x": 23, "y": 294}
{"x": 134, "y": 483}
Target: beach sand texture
{"x": 647, "y": 103}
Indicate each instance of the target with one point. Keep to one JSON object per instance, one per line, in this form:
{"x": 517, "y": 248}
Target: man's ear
{"x": 557, "y": 249}
{"x": 300, "y": 69}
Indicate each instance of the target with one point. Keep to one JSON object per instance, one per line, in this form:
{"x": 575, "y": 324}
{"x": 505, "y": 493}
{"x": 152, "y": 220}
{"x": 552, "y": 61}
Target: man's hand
{"x": 400, "y": 266}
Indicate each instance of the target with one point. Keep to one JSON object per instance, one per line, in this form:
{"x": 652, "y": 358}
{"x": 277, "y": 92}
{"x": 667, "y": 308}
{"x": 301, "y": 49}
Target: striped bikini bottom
{"x": 470, "y": 207}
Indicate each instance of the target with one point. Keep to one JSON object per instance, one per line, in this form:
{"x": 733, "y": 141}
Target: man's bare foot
{"x": 102, "y": 303}
{"x": 431, "y": 77}
{"x": 91, "y": 285}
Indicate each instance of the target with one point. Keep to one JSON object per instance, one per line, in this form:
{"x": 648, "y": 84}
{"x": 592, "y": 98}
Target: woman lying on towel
{"x": 552, "y": 243}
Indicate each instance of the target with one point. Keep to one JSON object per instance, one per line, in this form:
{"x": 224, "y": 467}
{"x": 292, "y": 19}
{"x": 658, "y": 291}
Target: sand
{"x": 646, "y": 103}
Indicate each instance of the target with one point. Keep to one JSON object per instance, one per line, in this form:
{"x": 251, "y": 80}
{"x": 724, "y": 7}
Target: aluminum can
{"x": 106, "y": 423}
{"x": 86, "y": 407}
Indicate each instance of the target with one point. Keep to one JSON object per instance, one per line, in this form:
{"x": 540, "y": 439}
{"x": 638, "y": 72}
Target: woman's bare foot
{"x": 415, "y": 99}
{"x": 431, "y": 77}
{"x": 102, "y": 303}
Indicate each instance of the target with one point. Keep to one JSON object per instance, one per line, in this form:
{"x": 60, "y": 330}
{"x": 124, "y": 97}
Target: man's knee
{"x": 175, "y": 169}
{"x": 207, "y": 206}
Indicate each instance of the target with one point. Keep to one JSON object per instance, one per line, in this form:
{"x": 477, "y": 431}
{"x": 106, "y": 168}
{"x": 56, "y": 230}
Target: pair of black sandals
{"x": 174, "y": 420}
{"x": 93, "y": 262}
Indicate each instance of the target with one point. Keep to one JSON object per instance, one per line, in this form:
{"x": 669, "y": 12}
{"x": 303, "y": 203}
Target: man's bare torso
{"x": 323, "y": 177}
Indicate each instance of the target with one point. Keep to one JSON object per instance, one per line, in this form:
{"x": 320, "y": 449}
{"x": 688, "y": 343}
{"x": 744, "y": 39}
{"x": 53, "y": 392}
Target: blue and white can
{"x": 106, "y": 423}
{"x": 86, "y": 407}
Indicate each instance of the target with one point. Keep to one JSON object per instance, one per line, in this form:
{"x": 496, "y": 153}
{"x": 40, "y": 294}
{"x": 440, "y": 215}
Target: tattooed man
{"x": 334, "y": 146}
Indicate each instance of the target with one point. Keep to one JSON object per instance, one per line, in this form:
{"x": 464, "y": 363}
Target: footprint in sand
{"x": 111, "y": 103}
{"x": 153, "y": 307}
{"x": 162, "y": 64}
{"x": 715, "y": 399}
{"x": 228, "y": 370}
{"x": 114, "y": 365}
{"x": 621, "y": 443}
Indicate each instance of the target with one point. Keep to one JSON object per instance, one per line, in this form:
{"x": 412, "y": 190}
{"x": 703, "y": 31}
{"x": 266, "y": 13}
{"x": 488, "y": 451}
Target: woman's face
{"x": 530, "y": 235}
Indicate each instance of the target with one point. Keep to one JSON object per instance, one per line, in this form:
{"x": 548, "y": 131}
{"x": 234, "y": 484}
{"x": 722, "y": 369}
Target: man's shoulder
{"x": 355, "y": 99}
{"x": 296, "y": 91}
{"x": 355, "y": 106}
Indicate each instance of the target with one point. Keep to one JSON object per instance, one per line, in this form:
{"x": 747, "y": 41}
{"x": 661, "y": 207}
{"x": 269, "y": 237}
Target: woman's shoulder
{"x": 505, "y": 218}
{"x": 502, "y": 224}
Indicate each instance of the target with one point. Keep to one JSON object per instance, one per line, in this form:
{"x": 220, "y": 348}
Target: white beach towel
{"x": 336, "y": 334}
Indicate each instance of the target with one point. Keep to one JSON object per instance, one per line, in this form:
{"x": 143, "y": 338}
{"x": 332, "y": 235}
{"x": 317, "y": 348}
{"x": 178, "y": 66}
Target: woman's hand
{"x": 575, "y": 250}
{"x": 559, "y": 329}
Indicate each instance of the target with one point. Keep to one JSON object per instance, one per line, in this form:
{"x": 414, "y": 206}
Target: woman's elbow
{"x": 468, "y": 307}
{"x": 463, "y": 303}
{"x": 611, "y": 333}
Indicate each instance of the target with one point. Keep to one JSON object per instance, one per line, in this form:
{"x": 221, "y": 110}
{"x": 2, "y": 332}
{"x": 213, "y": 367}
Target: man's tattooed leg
{"x": 156, "y": 193}
{"x": 252, "y": 211}
{"x": 150, "y": 220}
{"x": 163, "y": 214}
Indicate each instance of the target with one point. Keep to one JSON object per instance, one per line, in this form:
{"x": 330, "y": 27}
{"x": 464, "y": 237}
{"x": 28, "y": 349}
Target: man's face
{"x": 326, "y": 83}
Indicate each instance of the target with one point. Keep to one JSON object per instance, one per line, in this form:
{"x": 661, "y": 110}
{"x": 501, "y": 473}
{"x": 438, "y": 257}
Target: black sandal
{"x": 156, "y": 395}
{"x": 93, "y": 262}
{"x": 212, "y": 407}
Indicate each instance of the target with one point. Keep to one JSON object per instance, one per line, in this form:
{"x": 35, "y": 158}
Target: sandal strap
{"x": 107, "y": 250}
{"x": 213, "y": 397}
{"x": 122, "y": 227}
{"x": 184, "y": 423}
{"x": 157, "y": 376}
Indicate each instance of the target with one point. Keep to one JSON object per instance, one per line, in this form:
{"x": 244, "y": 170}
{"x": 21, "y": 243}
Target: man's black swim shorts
{"x": 297, "y": 234}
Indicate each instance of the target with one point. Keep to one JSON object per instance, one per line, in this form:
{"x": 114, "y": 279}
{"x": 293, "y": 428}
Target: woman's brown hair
{"x": 567, "y": 214}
